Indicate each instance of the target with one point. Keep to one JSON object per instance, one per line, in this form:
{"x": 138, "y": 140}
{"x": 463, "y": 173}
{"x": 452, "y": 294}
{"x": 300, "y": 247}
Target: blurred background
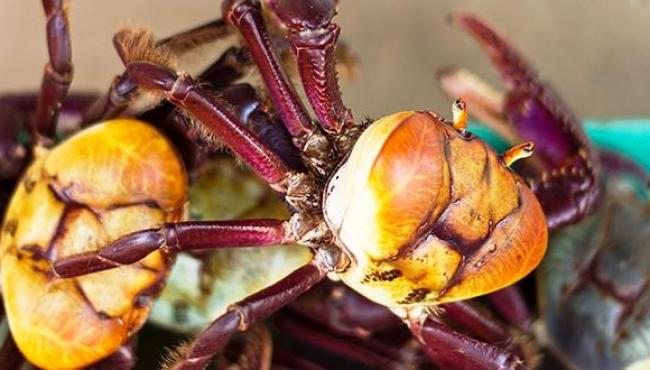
{"x": 596, "y": 52}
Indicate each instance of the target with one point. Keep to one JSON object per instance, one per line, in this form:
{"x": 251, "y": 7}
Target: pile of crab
{"x": 339, "y": 243}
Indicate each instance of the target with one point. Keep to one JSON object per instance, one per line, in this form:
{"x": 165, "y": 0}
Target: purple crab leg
{"x": 487, "y": 329}
{"x": 247, "y": 17}
{"x": 182, "y": 91}
{"x": 245, "y": 313}
{"x": 336, "y": 344}
{"x": 313, "y": 38}
{"x": 568, "y": 185}
{"x": 175, "y": 238}
{"x": 284, "y": 359}
{"x": 122, "y": 359}
{"x": 123, "y": 90}
{"x": 613, "y": 162}
{"x": 10, "y": 356}
{"x": 450, "y": 349}
{"x": 344, "y": 311}
{"x": 511, "y": 305}
{"x": 58, "y": 71}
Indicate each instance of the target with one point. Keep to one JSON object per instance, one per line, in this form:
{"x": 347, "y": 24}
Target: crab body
{"x": 101, "y": 183}
{"x": 430, "y": 215}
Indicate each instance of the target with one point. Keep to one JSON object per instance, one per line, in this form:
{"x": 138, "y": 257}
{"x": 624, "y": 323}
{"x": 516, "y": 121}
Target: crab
{"x": 591, "y": 286}
{"x": 373, "y": 211}
{"x": 63, "y": 203}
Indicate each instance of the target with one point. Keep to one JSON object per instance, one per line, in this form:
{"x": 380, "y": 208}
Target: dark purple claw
{"x": 565, "y": 176}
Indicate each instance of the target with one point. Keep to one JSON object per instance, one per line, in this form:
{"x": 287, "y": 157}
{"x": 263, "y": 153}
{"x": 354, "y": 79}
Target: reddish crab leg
{"x": 122, "y": 359}
{"x": 344, "y": 311}
{"x": 247, "y": 17}
{"x": 339, "y": 345}
{"x": 10, "y": 356}
{"x": 284, "y": 359}
{"x": 123, "y": 90}
{"x": 449, "y": 349}
{"x": 58, "y": 72}
{"x": 183, "y": 92}
{"x": 567, "y": 184}
{"x": 511, "y": 305}
{"x": 251, "y": 310}
{"x": 313, "y": 39}
{"x": 174, "y": 238}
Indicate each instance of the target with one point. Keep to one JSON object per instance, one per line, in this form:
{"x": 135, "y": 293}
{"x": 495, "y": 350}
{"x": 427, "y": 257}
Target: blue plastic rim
{"x": 630, "y": 137}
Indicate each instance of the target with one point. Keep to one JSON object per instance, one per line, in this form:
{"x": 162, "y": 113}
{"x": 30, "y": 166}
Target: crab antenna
{"x": 459, "y": 113}
{"x": 518, "y": 152}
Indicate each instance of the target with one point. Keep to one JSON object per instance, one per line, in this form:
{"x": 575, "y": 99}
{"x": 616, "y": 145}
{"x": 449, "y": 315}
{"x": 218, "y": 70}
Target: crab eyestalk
{"x": 430, "y": 215}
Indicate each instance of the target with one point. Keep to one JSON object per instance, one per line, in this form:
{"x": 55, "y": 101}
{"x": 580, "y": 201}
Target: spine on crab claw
{"x": 313, "y": 39}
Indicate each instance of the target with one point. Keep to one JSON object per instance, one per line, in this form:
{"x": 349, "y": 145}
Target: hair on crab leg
{"x": 137, "y": 43}
{"x": 58, "y": 71}
{"x": 247, "y": 312}
{"x": 174, "y": 238}
{"x": 182, "y": 91}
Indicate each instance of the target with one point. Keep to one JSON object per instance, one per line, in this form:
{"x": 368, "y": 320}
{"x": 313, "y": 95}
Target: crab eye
{"x": 430, "y": 215}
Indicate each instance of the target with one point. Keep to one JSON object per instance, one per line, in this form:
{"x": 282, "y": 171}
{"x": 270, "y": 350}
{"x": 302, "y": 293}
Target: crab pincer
{"x": 565, "y": 171}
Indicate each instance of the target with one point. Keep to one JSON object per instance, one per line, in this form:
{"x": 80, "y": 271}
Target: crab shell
{"x": 104, "y": 182}
{"x": 428, "y": 214}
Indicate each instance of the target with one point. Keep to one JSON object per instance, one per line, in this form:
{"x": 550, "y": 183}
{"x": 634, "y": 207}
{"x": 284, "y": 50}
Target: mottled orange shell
{"x": 106, "y": 181}
{"x": 428, "y": 215}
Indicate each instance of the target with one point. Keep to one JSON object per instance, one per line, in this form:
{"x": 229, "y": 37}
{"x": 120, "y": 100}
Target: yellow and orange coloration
{"x": 104, "y": 182}
{"x": 428, "y": 214}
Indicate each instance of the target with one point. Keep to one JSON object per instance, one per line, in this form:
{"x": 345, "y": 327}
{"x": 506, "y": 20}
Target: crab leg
{"x": 247, "y": 17}
{"x": 313, "y": 39}
{"x": 175, "y": 238}
{"x": 450, "y": 349}
{"x": 245, "y": 313}
{"x": 123, "y": 90}
{"x": 344, "y": 311}
{"x": 361, "y": 353}
{"x": 285, "y": 360}
{"x": 568, "y": 182}
{"x": 182, "y": 91}
{"x": 511, "y": 305}
{"x": 122, "y": 359}
{"x": 10, "y": 356}
{"x": 58, "y": 71}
